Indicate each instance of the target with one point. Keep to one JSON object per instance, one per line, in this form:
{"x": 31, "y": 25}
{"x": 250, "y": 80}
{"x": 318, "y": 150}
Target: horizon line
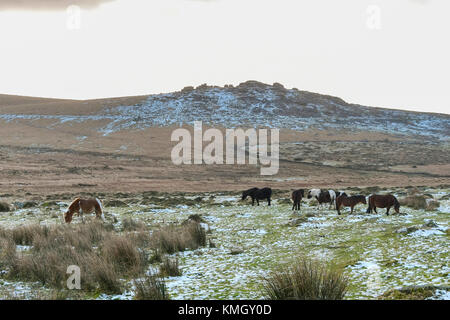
{"x": 212, "y": 85}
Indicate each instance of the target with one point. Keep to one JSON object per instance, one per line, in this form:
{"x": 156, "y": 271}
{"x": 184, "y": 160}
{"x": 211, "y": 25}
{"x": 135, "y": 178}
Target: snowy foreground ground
{"x": 377, "y": 252}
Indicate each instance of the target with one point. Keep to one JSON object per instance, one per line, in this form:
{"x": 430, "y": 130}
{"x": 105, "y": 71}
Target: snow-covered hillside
{"x": 254, "y": 104}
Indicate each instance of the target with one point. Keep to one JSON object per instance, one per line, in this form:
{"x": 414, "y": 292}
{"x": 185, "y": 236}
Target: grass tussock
{"x": 129, "y": 224}
{"x": 4, "y": 207}
{"x": 151, "y": 287}
{"x": 24, "y": 235}
{"x": 421, "y": 292}
{"x": 306, "y": 279}
{"x": 415, "y": 201}
{"x": 7, "y": 252}
{"x": 172, "y": 239}
{"x": 103, "y": 256}
{"x": 123, "y": 255}
{"x": 170, "y": 268}
{"x": 432, "y": 205}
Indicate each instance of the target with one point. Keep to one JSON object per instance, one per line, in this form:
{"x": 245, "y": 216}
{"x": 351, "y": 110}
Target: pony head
{"x": 244, "y": 195}
{"x": 363, "y": 200}
{"x": 74, "y": 206}
{"x": 68, "y": 216}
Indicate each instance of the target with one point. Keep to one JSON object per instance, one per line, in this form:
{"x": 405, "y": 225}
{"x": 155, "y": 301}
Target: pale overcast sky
{"x": 387, "y": 53}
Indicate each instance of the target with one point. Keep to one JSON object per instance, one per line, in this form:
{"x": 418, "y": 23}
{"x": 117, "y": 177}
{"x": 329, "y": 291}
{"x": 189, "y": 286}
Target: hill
{"x": 56, "y": 145}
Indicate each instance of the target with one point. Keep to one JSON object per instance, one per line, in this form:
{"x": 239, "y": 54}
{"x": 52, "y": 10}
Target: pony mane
{"x": 74, "y": 202}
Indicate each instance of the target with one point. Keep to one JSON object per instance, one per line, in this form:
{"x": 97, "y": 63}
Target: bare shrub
{"x": 151, "y": 287}
{"x": 306, "y": 279}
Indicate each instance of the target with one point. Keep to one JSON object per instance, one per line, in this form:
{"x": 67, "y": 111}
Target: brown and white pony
{"x": 351, "y": 202}
{"x": 323, "y": 196}
{"x": 383, "y": 201}
{"x": 81, "y": 206}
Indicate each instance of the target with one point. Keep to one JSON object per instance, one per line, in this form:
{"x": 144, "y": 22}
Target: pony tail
{"x": 369, "y": 200}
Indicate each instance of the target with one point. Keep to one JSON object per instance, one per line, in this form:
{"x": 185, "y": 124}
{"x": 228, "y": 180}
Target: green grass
{"x": 349, "y": 241}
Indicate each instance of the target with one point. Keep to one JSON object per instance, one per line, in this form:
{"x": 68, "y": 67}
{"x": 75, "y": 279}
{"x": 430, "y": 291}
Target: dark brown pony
{"x": 81, "y": 206}
{"x": 257, "y": 194}
{"x": 345, "y": 201}
{"x": 297, "y": 196}
{"x": 383, "y": 201}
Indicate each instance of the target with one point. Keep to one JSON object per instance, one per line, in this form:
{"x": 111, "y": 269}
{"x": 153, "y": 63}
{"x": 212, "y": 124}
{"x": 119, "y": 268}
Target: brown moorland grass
{"x": 170, "y": 268}
{"x": 4, "y": 207}
{"x": 103, "y": 257}
{"x": 129, "y": 224}
{"x": 306, "y": 279}
{"x": 151, "y": 287}
{"x": 414, "y": 201}
{"x": 172, "y": 239}
{"x": 432, "y": 205}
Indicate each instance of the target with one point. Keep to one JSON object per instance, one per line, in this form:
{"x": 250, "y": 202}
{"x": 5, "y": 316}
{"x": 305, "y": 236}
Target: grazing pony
{"x": 297, "y": 196}
{"x": 338, "y": 194}
{"x": 344, "y": 200}
{"x": 323, "y": 196}
{"x": 257, "y": 194}
{"x": 81, "y": 206}
{"x": 383, "y": 201}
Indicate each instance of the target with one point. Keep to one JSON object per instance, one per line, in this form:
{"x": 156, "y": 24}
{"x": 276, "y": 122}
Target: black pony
{"x": 257, "y": 194}
{"x": 297, "y": 196}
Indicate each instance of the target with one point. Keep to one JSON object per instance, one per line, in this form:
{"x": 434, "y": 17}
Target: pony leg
{"x": 268, "y": 200}
{"x": 294, "y": 207}
{"x": 351, "y": 210}
{"x": 387, "y": 211}
{"x": 100, "y": 215}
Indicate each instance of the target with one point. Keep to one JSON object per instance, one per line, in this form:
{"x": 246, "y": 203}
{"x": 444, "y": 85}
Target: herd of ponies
{"x": 336, "y": 199}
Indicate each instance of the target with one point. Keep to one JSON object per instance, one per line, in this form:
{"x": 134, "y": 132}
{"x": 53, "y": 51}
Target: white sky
{"x": 135, "y": 47}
